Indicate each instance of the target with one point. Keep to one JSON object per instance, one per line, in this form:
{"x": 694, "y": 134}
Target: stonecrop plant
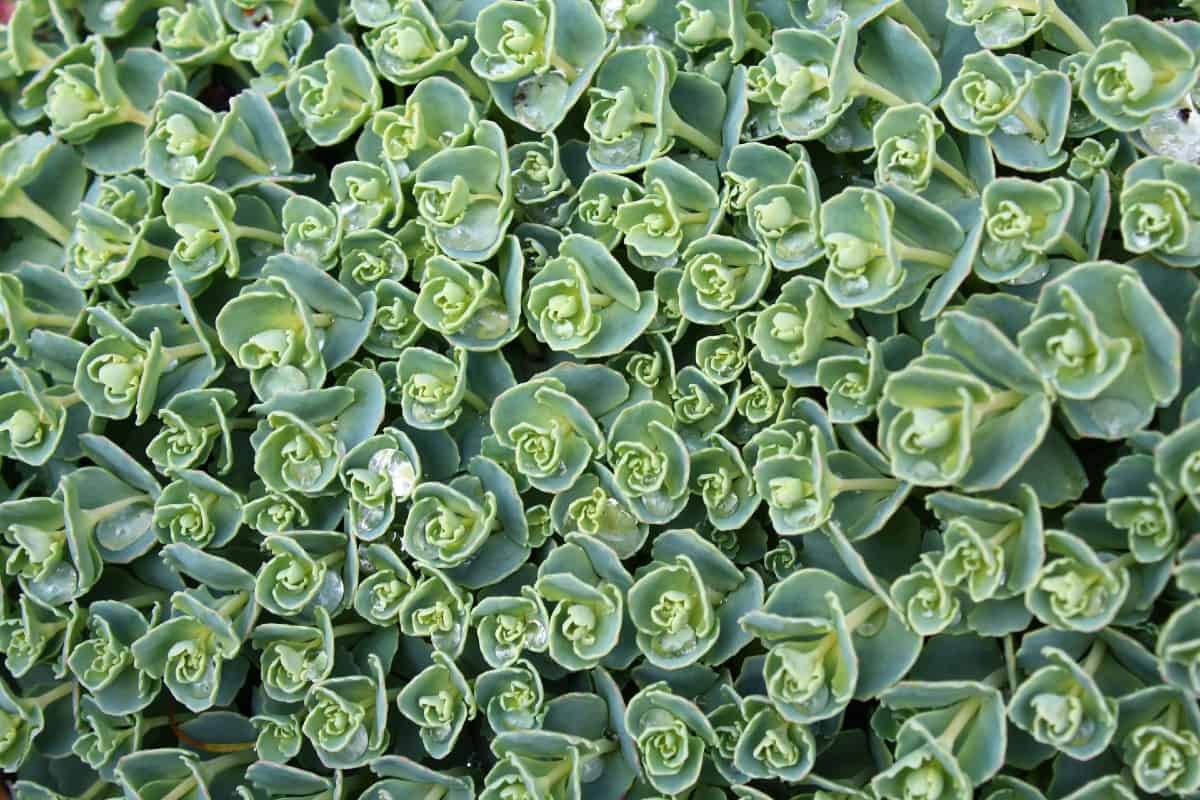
{"x": 599, "y": 399}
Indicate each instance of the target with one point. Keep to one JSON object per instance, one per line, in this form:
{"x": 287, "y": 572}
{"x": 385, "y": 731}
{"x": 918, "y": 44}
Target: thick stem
{"x": 1056, "y": 17}
{"x": 966, "y": 712}
{"x": 64, "y": 401}
{"x": 693, "y": 136}
{"x": 756, "y": 40}
{"x": 154, "y": 251}
{"x": 848, "y": 334}
{"x": 247, "y": 232}
{"x": 180, "y": 352}
{"x": 1095, "y": 657}
{"x": 58, "y": 692}
{"x": 143, "y": 600}
{"x": 236, "y": 151}
{"x": 475, "y": 401}
{"x": 904, "y": 15}
{"x": 95, "y": 515}
{"x": 130, "y": 113}
{"x": 208, "y": 770}
{"x": 934, "y": 258}
{"x": 1036, "y": 130}
{"x": 232, "y": 604}
{"x": 863, "y": 85}
{"x": 1010, "y": 662}
{"x": 999, "y": 401}
{"x": 863, "y": 612}
{"x": 472, "y": 82}
{"x": 866, "y": 484}
{"x": 435, "y": 793}
{"x": 93, "y": 790}
{"x": 569, "y": 71}
{"x": 1002, "y": 535}
{"x": 21, "y": 206}
{"x": 955, "y": 176}
{"x": 51, "y": 320}
{"x": 353, "y": 628}
{"x": 547, "y": 781}
{"x": 1074, "y": 249}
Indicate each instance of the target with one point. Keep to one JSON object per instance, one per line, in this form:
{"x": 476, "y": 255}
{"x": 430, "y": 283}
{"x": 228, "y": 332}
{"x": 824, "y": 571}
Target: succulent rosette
{"x": 583, "y": 302}
{"x": 1138, "y": 67}
{"x": 464, "y": 194}
{"x": 439, "y": 702}
{"x": 824, "y": 651}
{"x": 1107, "y": 388}
{"x": 190, "y": 143}
{"x": 103, "y": 105}
{"x": 552, "y": 435}
{"x": 672, "y": 736}
{"x": 587, "y": 583}
{"x": 1061, "y": 705}
{"x": 1159, "y": 211}
{"x": 334, "y": 96}
{"x": 347, "y": 716}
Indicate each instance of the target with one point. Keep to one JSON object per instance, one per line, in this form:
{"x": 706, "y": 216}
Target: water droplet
{"x": 368, "y": 517}
{"x": 1116, "y": 417}
{"x": 855, "y": 286}
{"x": 1013, "y": 126}
{"x": 399, "y": 470}
{"x": 1174, "y": 133}
{"x": 925, "y": 470}
{"x": 658, "y": 504}
{"x": 121, "y": 529}
{"x": 590, "y": 769}
{"x": 110, "y": 10}
{"x": 536, "y": 635}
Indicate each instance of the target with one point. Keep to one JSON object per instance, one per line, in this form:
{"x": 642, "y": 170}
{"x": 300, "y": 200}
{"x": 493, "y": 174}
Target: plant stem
{"x": 1010, "y": 662}
{"x": 999, "y": 401}
{"x": 865, "y": 86}
{"x": 693, "y": 136}
{"x": 1073, "y": 247}
{"x": 863, "y": 612}
{"x": 248, "y": 232}
{"x": 475, "y": 401}
{"x": 352, "y": 628}
{"x": 154, "y": 251}
{"x": 955, "y": 175}
{"x": 1056, "y": 17}
{"x": 236, "y": 151}
{"x": 130, "y": 113}
{"x": 473, "y": 83}
{"x": 93, "y": 790}
{"x": 52, "y": 320}
{"x": 1095, "y": 657}
{"x": 959, "y": 721}
{"x": 866, "y": 484}
{"x": 95, "y": 515}
{"x": 180, "y": 352}
{"x": 58, "y": 692}
{"x": 209, "y": 769}
{"x": 232, "y": 604}
{"x": 568, "y": 69}
{"x": 904, "y": 15}
{"x": 1036, "y": 130}
{"x": 147, "y": 599}
{"x": 20, "y": 205}
{"x": 934, "y": 258}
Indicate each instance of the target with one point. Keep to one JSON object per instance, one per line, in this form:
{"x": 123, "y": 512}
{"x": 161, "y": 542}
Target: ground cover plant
{"x": 599, "y": 400}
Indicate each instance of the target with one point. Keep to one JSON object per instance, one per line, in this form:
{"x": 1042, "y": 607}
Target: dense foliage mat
{"x": 614, "y": 400}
